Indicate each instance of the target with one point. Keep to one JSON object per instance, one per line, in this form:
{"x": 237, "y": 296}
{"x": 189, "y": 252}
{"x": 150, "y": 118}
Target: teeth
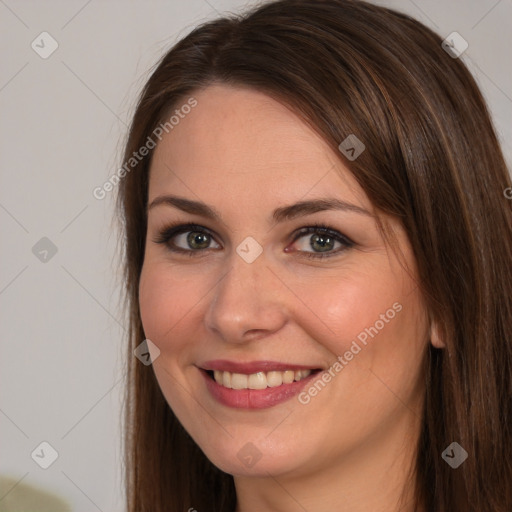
{"x": 226, "y": 380}
{"x": 257, "y": 381}
{"x": 260, "y": 380}
{"x": 239, "y": 381}
{"x": 288, "y": 376}
{"x": 274, "y": 379}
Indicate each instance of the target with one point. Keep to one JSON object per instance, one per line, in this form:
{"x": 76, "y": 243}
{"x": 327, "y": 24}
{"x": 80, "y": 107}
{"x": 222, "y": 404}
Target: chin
{"x": 257, "y": 459}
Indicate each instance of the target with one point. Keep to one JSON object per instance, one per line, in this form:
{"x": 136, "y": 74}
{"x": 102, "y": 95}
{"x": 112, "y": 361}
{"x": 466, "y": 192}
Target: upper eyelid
{"x": 186, "y": 227}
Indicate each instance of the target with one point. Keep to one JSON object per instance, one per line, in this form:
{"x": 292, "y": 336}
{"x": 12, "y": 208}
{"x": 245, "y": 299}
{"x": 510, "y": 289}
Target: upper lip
{"x": 252, "y": 366}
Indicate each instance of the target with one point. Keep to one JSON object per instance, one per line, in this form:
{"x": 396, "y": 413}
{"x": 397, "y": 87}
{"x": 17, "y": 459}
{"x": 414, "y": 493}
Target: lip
{"x": 254, "y": 398}
{"x": 224, "y": 365}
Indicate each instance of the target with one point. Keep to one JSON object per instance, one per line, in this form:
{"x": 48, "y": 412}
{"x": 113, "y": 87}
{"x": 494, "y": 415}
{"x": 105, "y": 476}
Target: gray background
{"x": 63, "y": 120}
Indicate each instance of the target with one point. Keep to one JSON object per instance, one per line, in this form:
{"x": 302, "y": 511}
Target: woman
{"x": 318, "y": 252}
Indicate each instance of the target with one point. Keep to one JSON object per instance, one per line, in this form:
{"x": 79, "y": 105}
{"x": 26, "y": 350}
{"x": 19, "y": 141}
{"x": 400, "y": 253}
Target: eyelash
{"x": 172, "y": 230}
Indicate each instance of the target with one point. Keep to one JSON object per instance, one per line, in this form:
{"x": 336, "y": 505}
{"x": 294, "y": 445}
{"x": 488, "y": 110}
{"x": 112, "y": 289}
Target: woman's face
{"x": 261, "y": 300}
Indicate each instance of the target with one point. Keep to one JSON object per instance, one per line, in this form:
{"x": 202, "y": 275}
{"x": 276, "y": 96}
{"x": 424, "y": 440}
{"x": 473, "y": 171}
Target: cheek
{"x": 375, "y": 321}
{"x": 164, "y": 301}
{"x": 378, "y": 327}
{"x": 349, "y": 307}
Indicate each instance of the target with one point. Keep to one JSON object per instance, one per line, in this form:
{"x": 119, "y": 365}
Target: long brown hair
{"x": 432, "y": 159}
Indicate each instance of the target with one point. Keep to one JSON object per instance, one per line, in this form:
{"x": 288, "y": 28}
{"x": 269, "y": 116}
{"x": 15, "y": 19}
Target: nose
{"x": 247, "y": 303}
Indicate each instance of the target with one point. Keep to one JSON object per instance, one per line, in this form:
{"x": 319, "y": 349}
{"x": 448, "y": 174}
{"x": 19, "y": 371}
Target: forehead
{"x": 240, "y": 144}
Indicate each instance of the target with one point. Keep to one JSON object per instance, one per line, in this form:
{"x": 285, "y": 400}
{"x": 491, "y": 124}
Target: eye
{"x": 322, "y": 240}
{"x": 192, "y": 240}
{"x": 186, "y": 238}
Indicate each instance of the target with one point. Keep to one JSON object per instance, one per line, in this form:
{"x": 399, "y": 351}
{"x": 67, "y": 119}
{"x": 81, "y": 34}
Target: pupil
{"x": 324, "y": 242}
{"x": 197, "y": 240}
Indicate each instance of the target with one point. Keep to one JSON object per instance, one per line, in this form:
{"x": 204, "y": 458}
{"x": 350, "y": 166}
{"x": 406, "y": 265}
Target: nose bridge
{"x": 245, "y": 300}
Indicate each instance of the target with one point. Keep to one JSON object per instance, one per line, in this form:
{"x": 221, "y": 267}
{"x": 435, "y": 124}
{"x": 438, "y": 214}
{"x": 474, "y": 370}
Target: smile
{"x": 259, "y": 380}
{"x": 255, "y": 385}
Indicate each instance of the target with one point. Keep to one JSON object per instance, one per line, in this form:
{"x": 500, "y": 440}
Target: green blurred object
{"x": 27, "y": 498}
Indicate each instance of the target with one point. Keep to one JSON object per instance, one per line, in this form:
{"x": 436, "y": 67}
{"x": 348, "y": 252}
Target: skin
{"x": 353, "y": 445}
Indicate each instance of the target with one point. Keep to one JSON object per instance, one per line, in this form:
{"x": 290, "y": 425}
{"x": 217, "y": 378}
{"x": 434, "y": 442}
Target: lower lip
{"x": 254, "y": 398}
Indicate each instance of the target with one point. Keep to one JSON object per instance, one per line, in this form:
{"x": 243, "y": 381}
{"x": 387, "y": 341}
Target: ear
{"x": 435, "y": 336}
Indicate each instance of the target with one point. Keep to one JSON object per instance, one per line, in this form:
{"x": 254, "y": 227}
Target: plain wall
{"x": 63, "y": 120}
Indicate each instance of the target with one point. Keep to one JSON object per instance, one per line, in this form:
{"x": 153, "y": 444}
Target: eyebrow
{"x": 281, "y": 214}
